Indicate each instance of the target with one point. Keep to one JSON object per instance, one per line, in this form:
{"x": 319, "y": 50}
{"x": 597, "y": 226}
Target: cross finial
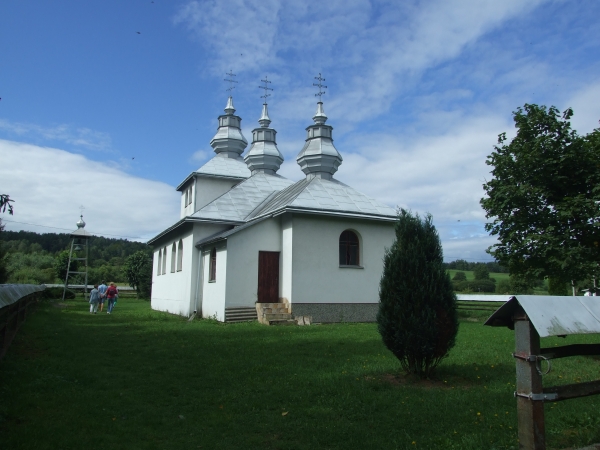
{"x": 320, "y": 85}
{"x": 266, "y": 88}
{"x": 230, "y": 80}
{"x": 81, "y": 208}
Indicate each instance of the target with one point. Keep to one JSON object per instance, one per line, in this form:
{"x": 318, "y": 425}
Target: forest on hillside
{"x": 34, "y": 258}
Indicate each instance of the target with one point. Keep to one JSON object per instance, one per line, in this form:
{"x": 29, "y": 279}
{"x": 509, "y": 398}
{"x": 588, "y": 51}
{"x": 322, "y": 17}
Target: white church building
{"x": 251, "y": 240}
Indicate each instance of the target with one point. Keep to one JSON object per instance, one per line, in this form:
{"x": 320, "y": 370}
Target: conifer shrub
{"x": 417, "y": 316}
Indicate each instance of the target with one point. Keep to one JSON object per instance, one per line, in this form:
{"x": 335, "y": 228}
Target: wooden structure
{"x": 79, "y": 254}
{"x": 532, "y": 317}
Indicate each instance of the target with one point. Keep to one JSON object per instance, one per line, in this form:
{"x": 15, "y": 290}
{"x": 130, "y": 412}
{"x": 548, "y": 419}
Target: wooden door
{"x": 268, "y": 277}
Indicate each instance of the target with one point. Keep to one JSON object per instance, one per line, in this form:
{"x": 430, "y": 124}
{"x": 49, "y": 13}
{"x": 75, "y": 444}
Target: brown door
{"x": 268, "y": 277}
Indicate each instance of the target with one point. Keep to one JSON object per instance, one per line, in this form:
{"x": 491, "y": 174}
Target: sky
{"x": 107, "y": 106}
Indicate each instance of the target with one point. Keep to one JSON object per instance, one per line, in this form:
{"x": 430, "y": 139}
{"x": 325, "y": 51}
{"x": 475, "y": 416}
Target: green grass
{"x": 140, "y": 379}
{"x": 470, "y": 276}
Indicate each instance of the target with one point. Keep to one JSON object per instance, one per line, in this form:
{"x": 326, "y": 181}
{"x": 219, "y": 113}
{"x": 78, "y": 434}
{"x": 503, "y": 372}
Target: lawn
{"x": 140, "y": 379}
{"x": 471, "y": 276}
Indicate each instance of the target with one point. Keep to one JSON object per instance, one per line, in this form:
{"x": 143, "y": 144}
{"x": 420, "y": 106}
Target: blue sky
{"x": 417, "y": 93}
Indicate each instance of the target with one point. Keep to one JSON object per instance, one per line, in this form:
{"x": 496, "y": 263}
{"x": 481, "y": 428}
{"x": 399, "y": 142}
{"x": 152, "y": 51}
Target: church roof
{"x": 241, "y": 200}
{"x": 221, "y": 166}
{"x": 321, "y": 195}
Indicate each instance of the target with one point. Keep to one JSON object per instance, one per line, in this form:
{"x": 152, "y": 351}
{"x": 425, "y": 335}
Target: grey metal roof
{"x": 319, "y": 194}
{"x": 223, "y": 166}
{"x": 11, "y": 293}
{"x": 241, "y": 200}
{"x": 552, "y": 315}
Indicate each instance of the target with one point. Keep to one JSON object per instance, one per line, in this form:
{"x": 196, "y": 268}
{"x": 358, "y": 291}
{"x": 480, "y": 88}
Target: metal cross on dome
{"x": 266, "y": 88}
{"x": 320, "y": 85}
{"x": 230, "y": 80}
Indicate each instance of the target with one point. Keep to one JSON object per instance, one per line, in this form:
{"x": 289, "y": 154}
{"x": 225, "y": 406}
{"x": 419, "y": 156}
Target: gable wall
{"x": 242, "y": 261}
{"x": 208, "y": 189}
{"x": 317, "y": 276}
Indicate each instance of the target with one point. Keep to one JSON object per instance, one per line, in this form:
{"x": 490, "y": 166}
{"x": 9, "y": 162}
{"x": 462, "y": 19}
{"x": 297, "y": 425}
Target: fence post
{"x": 530, "y": 408}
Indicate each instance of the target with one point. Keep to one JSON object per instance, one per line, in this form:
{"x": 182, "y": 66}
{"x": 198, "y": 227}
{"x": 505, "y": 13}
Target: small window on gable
{"x": 173, "y": 257}
{"x": 187, "y": 193}
{"x": 190, "y": 195}
{"x": 349, "y": 249}
{"x": 179, "y": 255}
{"x": 164, "y": 261}
{"x": 158, "y": 267}
{"x": 212, "y": 266}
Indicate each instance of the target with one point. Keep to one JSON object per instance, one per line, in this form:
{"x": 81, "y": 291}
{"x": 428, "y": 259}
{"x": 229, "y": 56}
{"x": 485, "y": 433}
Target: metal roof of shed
{"x": 552, "y": 315}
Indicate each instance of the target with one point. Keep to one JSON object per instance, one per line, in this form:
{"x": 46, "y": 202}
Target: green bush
{"x": 459, "y": 276}
{"x": 417, "y": 316}
{"x": 57, "y": 293}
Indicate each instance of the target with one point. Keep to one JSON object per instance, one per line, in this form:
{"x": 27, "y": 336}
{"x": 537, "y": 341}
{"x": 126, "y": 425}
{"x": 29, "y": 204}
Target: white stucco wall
{"x": 189, "y": 209}
{"x": 171, "y": 291}
{"x": 317, "y": 276}
{"x": 208, "y": 189}
{"x": 213, "y": 292}
{"x": 286, "y": 262}
{"x": 242, "y": 261}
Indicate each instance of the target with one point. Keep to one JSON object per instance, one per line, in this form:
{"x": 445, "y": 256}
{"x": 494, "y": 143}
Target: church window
{"x": 164, "y": 261}
{"x": 173, "y": 257}
{"x": 179, "y": 255}
{"x": 349, "y": 249}
{"x": 158, "y": 268}
{"x": 212, "y": 266}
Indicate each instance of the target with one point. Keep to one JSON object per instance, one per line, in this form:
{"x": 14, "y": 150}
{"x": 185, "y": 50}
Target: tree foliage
{"x": 459, "y": 276}
{"x": 543, "y": 197}
{"x": 138, "y": 271}
{"x": 417, "y": 316}
{"x": 481, "y": 272}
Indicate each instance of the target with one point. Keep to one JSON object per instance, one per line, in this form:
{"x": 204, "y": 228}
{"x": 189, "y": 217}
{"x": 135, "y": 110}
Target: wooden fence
{"x": 16, "y": 301}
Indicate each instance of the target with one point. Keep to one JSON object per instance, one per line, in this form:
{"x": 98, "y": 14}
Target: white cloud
{"x": 586, "y": 108}
{"x": 49, "y": 185}
{"x": 78, "y": 137}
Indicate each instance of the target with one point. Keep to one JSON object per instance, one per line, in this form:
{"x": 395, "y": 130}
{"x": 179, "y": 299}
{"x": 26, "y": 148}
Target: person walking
{"x": 102, "y": 292}
{"x": 94, "y": 299}
{"x": 111, "y": 293}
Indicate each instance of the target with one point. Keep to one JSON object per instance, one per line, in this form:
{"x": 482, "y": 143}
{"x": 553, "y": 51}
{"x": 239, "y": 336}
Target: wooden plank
{"x": 571, "y": 350}
{"x": 569, "y": 391}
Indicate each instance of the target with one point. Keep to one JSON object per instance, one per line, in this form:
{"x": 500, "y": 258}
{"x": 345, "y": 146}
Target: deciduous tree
{"x": 543, "y": 198}
{"x": 138, "y": 271}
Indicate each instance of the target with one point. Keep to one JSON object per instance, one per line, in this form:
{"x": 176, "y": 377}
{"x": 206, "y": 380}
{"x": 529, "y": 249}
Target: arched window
{"x": 173, "y": 257}
{"x": 212, "y": 266}
{"x": 179, "y": 255}
{"x": 158, "y": 267}
{"x": 164, "y": 261}
{"x": 349, "y": 251}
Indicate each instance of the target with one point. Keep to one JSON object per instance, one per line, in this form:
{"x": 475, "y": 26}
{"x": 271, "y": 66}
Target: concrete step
{"x": 280, "y": 316}
{"x": 282, "y": 322}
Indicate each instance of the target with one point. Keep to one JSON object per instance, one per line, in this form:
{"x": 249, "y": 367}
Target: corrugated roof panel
{"x": 241, "y": 200}
{"x": 552, "y": 315}
{"x": 225, "y": 167}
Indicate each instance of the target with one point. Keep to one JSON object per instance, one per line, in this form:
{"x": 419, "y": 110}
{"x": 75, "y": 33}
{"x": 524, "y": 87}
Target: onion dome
{"x": 319, "y": 157}
{"x": 80, "y": 223}
{"x": 264, "y": 156}
{"x": 229, "y": 140}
